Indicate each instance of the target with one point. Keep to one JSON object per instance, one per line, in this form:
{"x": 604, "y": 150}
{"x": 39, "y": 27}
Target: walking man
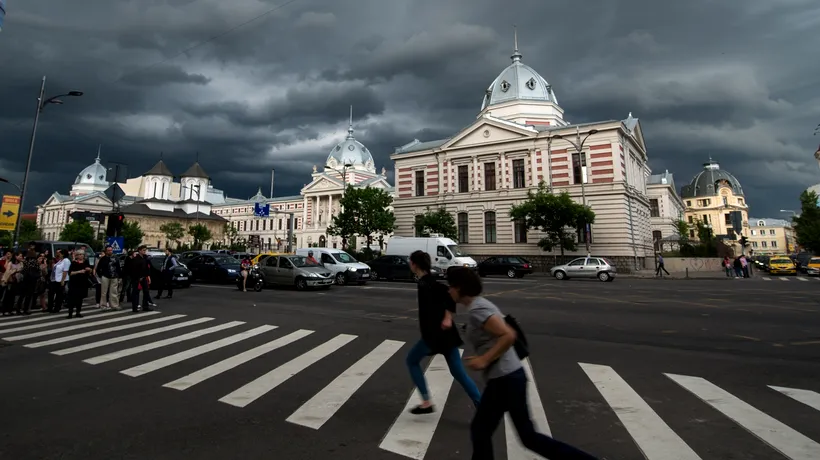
{"x": 167, "y": 282}
{"x": 110, "y": 273}
{"x": 59, "y": 276}
{"x": 438, "y": 336}
{"x": 660, "y": 267}
{"x": 141, "y": 281}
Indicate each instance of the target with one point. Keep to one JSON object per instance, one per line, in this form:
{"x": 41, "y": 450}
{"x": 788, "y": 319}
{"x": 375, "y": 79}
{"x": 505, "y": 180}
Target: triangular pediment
{"x": 94, "y": 198}
{"x": 638, "y": 133}
{"x": 322, "y": 182}
{"x": 488, "y": 131}
{"x": 53, "y": 199}
{"x": 380, "y": 183}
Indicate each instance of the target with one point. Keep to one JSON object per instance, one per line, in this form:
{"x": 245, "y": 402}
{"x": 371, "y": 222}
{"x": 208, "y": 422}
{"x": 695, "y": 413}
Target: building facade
{"x": 665, "y": 209}
{"x": 519, "y": 139}
{"x": 710, "y": 198}
{"x": 770, "y": 236}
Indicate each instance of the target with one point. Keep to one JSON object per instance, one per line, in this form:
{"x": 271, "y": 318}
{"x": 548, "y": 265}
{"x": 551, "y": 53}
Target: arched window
{"x": 489, "y": 227}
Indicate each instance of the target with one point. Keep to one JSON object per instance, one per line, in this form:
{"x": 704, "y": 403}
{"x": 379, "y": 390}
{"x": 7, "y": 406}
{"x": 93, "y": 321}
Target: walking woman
{"x": 12, "y": 279}
{"x": 246, "y": 267}
{"x": 78, "y": 283}
{"x": 490, "y": 340}
{"x": 438, "y": 336}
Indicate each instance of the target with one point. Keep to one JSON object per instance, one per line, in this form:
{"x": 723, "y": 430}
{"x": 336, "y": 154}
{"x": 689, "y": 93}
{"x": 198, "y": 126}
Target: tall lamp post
{"x": 345, "y": 167}
{"x": 582, "y": 159}
{"x": 41, "y": 104}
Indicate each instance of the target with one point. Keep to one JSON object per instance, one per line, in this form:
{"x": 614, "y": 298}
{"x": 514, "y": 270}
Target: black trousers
{"x": 75, "y": 302}
{"x": 167, "y": 284}
{"x": 509, "y": 394}
{"x": 56, "y": 296}
{"x": 135, "y": 293}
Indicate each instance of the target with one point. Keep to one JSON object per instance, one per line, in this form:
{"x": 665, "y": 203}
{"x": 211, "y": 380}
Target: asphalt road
{"x": 672, "y": 369}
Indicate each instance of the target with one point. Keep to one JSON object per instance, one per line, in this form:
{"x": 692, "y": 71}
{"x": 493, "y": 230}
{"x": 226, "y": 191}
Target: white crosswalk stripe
{"x": 766, "y": 278}
{"x": 366, "y": 366}
{"x": 783, "y": 279}
{"x": 802, "y": 279}
{"x": 6, "y": 320}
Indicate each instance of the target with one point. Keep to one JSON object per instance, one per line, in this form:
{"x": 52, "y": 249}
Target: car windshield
{"x": 224, "y": 260}
{"x": 781, "y": 261}
{"x": 299, "y": 261}
{"x": 456, "y": 250}
{"x": 815, "y": 260}
{"x": 343, "y": 257}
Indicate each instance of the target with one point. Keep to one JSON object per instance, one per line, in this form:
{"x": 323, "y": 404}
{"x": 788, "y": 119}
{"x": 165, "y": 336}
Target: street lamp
{"x": 198, "y": 187}
{"x": 579, "y": 147}
{"x": 789, "y": 211}
{"x": 6, "y": 181}
{"x": 41, "y": 104}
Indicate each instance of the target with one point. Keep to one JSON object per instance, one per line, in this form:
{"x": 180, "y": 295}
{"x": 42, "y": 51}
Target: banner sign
{"x": 8, "y": 212}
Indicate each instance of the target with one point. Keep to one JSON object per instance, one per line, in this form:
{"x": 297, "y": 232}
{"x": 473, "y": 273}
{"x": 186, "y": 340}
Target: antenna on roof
{"x": 516, "y": 56}
{"x": 99, "y": 147}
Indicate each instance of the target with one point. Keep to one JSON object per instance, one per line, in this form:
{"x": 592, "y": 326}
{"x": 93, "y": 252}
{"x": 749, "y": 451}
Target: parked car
{"x": 345, "y": 268}
{"x": 444, "y": 252}
{"x": 190, "y": 255}
{"x": 813, "y": 267}
{"x": 182, "y": 275}
{"x": 510, "y": 266}
{"x": 782, "y": 265}
{"x": 296, "y": 271}
{"x": 214, "y": 268}
{"x": 585, "y": 267}
{"x": 395, "y": 268}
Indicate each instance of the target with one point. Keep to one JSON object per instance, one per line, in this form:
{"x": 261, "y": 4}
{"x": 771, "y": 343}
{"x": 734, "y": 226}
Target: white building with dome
{"x": 347, "y": 163}
{"x": 520, "y": 138}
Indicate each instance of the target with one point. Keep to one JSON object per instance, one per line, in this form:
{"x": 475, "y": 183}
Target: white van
{"x": 444, "y": 252}
{"x": 344, "y": 267}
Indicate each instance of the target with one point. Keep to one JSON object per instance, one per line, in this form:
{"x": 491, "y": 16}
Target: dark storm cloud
{"x": 730, "y": 80}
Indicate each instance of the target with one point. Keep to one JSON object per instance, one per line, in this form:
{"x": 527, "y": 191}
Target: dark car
{"x": 395, "y": 268}
{"x": 214, "y": 268}
{"x": 510, "y": 266}
{"x": 182, "y": 276}
{"x": 191, "y": 255}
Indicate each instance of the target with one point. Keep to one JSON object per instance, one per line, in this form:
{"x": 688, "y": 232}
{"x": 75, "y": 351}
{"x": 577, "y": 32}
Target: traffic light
{"x": 743, "y": 241}
{"x": 115, "y": 222}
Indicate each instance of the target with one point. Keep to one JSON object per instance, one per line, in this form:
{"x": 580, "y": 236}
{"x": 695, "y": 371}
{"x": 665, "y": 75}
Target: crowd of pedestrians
{"x": 31, "y": 280}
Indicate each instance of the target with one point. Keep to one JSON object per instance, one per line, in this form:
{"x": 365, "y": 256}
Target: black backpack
{"x": 521, "y": 346}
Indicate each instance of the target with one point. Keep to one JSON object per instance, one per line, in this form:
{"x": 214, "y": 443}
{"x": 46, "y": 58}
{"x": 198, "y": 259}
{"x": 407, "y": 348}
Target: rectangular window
{"x": 688, "y": 203}
{"x": 691, "y": 220}
{"x": 489, "y": 176}
{"x": 754, "y": 232}
{"x": 577, "y": 175}
{"x": 519, "y": 174}
{"x": 489, "y": 227}
{"x": 725, "y": 201}
{"x": 763, "y": 243}
{"x": 463, "y": 227}
{"x": 774, "y": 244}
{"x": 771, "y": 232}
{"x": 520, "y": 230}
{"x": 463, "y": 179}
{"x": 582, "y": 236}
{"x": 654, "y": 208}
{"x": 419, "y": 183}
{"x": 691, "y": 233}
{"x": 727, "y": 219}
{"x": 754, "y": 244}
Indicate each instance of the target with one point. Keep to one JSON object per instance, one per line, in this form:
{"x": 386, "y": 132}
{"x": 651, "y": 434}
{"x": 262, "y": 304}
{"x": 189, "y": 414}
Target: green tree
{"x": 438, "y": 221}
{"x": 231, "y": 234}
{"x": 200, "y": 233}
{"x": 131, "y": 234}
{"x": 28, "y": 232}
{"x": 365, "y": 212}
{"x": 174, "y": 231}
{"x": 556, "y": 216}
{"x": 807, "y": 224}
{"x": 78, "y": 231}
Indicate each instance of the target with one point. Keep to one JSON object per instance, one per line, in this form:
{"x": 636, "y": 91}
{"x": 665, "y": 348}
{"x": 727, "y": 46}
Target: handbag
{"x": 521, "y": 346}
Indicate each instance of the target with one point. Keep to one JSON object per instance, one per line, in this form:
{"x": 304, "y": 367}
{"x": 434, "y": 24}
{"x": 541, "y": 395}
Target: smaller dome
{"x": 708, "y": 182}
{"x": 518, "y": 82}
{"x": 350, "y": 151}
{"x": 92, "y": 175}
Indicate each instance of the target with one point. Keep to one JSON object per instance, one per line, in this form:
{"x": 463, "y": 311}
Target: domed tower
{"x": 91, "y": 179}
{"x": 521, "y": 95}
{"x": 711, "y": 195}
{"x": 157, "y": 182}
{"x": 351, "y": 153}
{"x": 194, "y": 183}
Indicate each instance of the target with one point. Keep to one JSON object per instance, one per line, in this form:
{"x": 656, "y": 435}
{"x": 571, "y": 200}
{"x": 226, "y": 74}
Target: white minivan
{"x": 345, "y": 268}
{"x": 444, "y": 252}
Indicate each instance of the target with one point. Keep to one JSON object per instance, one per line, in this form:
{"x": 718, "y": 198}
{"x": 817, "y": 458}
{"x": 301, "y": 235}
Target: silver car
{"x": 294, "y": 271}
{"x": 585, "y": 267}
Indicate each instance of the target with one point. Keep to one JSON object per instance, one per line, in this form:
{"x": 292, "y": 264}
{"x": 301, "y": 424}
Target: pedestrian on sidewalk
{"x": 661, "y": 267}
{"x": 12, "y": 278}
{"x": 738, "y": 268}
{"x": 744, "y": 263}
{"x": 167, "y": 281}
{"x": 141, "y": 281}
{"x": 438, "y": 336}
{"x": 490, "y": 343}
{"x": 28, "y": 285}
{"x": 79, "y": 281}
{"x": 58, "y": 279}
{"x": 727, "y": 264}
{"x": 110, "y": 273}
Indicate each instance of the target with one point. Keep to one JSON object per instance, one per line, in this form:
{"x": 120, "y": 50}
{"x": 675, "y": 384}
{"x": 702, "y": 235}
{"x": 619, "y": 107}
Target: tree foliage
{"x": 200, "y": 233}
{"x": 78, "y": 231}
{"x": 231, "y": 233}
{"x": 438, "y": 221}
{"x": 682, "y": 231}
{"x": 556, "y": 216}
{"x": 131, "y": 234}
{"x": 28, "y": 232}
{"x": 807, "y": 224}
{"x": 174, "y": 231}
{"x": 365, "y": 212}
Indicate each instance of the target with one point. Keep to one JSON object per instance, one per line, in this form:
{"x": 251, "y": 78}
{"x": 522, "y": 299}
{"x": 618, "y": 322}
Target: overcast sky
{"x": 736, "y": 80}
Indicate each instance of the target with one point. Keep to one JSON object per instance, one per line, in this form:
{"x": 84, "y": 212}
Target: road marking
{"x": 235, "y": 361}
{"x": 808, "y": 342}
{"x": 320, "y": 408}
{"x": 75, "y": 327}
{"x": 802, "y": 279}
{"x": 807, "y": 397}
{"x": 102, "y": 343}
{"x": 766, "y": 278}
{"x": 264, "y": 384}
{"x": 783, "y": 279}
{"x": 516, "y": 449}
{"x": 410, "y": 434}
{"x": 151, "y": 346}
{"x": 654, "y": 437}
{"x": 785, "y": 440}
{"x": 83, "y": 335}
{"x": 753, "y": 339}
{"x": 40, "y": 317}
{"x": 58, "y": 322}
{"x": 146, "y": 368}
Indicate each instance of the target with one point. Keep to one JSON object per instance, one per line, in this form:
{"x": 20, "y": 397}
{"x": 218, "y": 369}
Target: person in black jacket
{"x": 438, "y": 336}
{"x": 109, "y": 272}
{"x": 141, "y": 280}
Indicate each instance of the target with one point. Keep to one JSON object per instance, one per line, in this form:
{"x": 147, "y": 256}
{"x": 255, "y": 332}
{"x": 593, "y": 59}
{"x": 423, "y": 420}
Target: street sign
{"x": 88, "y": 216}
{"x": 116, "y": 243}
{"x": 260, "y": 210}
{"x": 8, "y": 212}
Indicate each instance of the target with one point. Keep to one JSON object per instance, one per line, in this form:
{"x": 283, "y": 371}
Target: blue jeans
{"x": 420, "y": 350}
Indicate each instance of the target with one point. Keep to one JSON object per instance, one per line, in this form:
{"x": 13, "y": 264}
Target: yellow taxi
{"x": 782, "y": 265}
{"x": 264, "y": 255}
{"x": 813, "y": 267}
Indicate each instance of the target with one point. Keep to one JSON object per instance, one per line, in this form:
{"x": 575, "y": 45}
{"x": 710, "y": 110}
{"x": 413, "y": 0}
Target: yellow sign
{"x": 8, "y": 212}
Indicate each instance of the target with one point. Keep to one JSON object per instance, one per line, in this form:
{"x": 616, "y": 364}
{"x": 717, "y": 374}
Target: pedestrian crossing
{"x": 783, "y": 278}
{"x": 225, "y": 346}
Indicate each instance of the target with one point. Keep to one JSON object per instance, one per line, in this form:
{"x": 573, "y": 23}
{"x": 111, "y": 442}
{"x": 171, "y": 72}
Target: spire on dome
{"x": 350, "y": 124}
{"x": 99, "y": 147}
{"x": 516, "y": 56}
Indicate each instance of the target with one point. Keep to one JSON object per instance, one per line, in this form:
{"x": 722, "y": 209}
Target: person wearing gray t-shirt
{"x": 489, "y": 348}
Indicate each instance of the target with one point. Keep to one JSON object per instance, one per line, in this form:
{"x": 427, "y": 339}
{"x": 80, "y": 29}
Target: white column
{"x": 315, "y": 211}
{"x": 503, "y": 173}
{"x": 534, "y": 166}
{"x": 475, "y": 174}
{"x": 304, "y": 213}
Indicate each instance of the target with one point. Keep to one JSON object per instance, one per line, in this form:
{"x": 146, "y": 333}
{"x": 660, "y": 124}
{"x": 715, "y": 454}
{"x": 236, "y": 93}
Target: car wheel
{"x": 560, "y": 275}
{"x": 258, "y": 286}
{"x": 604, "y": 276}
{"x": 374, "y": 275}
{"x": 340, "y": 279}
{"x": 511, "y": 273}
{"x": 301, "y": 284}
